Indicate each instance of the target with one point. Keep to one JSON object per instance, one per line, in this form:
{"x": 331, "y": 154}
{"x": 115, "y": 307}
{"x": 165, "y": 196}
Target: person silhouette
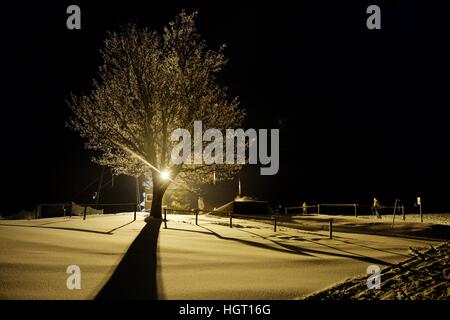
{"x": 305, "y": 208}
{"x": 376, "y": 208}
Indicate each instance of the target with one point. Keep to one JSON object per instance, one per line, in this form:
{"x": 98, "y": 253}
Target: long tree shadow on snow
{"x": 298, "y": 250}
{"x": 242, "y": 241}
{"x": 45, "y": 226}
{"x": 344, "y": 254}
{"x": 136, "y": 275}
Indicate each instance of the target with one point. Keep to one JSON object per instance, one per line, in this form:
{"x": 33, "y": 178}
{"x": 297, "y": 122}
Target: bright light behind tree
{"x": 165, "y": 175}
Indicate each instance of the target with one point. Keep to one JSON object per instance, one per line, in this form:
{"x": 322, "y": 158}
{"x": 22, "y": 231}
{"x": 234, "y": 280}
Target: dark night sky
{"x": 361, "y": 112}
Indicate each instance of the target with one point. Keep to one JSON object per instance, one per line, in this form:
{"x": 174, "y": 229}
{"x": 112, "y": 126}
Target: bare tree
{"x": 151, "y": 83}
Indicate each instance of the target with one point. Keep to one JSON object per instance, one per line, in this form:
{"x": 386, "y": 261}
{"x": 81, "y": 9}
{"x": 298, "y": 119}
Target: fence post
{"x": 231, "y": 221}
{"x": 330, "y": 228}
{"x": 85, "y": 210}
{"x": 135, "y": 209}
{"x": 275, "y": 224}
{"x": 165, "y": 218}
{"x": 196, "y": 216}
{"x": 420, "y": 212}
{"x": 356, "y": 210}
{"x": 403, "y": 212}
{"x": 395, "y": 211}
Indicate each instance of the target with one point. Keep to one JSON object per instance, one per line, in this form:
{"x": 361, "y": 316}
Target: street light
{"x": 165, "y": 175}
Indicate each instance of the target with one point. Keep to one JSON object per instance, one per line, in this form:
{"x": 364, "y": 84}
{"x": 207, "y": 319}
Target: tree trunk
{"x": 159, "y": 188}
{"x": 156, "y": 210}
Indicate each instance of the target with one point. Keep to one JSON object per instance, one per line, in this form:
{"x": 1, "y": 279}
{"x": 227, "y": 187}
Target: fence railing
{"x": 275, "y": 219}
{"x": 328, "y": 221}
{"x": 182, "y": 211}
{"x": 81, "y": 209}
{"x": 339, "y": 205}
{"x": 355, "y": 206}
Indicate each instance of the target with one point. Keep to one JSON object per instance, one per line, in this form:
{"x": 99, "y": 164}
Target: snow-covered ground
{"x": 35, "y": 254}
{"x": 435, "y": 226}
{"x": 208, "y": 261}
{"x": 434, "y": 218}
{"x": 257, "y": 263}
{"x": 422, "y": 277}
{"x": 431, "y": 218}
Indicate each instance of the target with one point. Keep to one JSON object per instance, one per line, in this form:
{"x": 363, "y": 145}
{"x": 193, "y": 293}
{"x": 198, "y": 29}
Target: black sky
{"x": 361, "y": 112}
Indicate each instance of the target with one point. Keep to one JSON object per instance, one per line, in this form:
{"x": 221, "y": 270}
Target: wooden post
{"x": 165, "y": 218}
{"x": 231, "y": 221}
{"x": 395, "y": 211}
{"x": 403, "y": 212}
{"x": 196, "y": 216}
{"x": 420, "y": 212}
{"x": 356, "y": 210}
{"x": 330, "y": 228}
{"x": 85, "y": 210}
{"x": 99, "y": 188}
{"x": 38, "y": 211}
{"x": 275, "y": 224}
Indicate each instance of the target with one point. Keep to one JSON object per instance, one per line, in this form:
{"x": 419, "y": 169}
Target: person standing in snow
{"x": 376, "y": 208}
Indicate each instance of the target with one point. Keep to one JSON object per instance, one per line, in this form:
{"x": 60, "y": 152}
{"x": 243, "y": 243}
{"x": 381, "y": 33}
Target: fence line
{"x": 319, "y": 205}
{"x": 85, "y": 206}
{"x": 396, "y": 207}
{"x": 354, "y": 205}
{"x": 274, "y": 218}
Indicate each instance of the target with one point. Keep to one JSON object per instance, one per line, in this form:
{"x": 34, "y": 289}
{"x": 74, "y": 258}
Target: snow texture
{"x": 425, "y": 276}
{"x": 205, "y": 261}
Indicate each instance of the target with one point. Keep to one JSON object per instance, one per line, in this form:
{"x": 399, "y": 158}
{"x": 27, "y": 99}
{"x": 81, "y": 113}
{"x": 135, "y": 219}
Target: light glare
{"x": 165, "y": 175}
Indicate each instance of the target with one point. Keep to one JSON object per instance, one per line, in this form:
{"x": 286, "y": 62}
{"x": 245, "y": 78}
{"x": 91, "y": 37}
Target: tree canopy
{"x": 149, "y": 84}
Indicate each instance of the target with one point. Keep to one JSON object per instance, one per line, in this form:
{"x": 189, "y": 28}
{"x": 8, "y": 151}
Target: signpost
{"x": 419, "y": 203}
